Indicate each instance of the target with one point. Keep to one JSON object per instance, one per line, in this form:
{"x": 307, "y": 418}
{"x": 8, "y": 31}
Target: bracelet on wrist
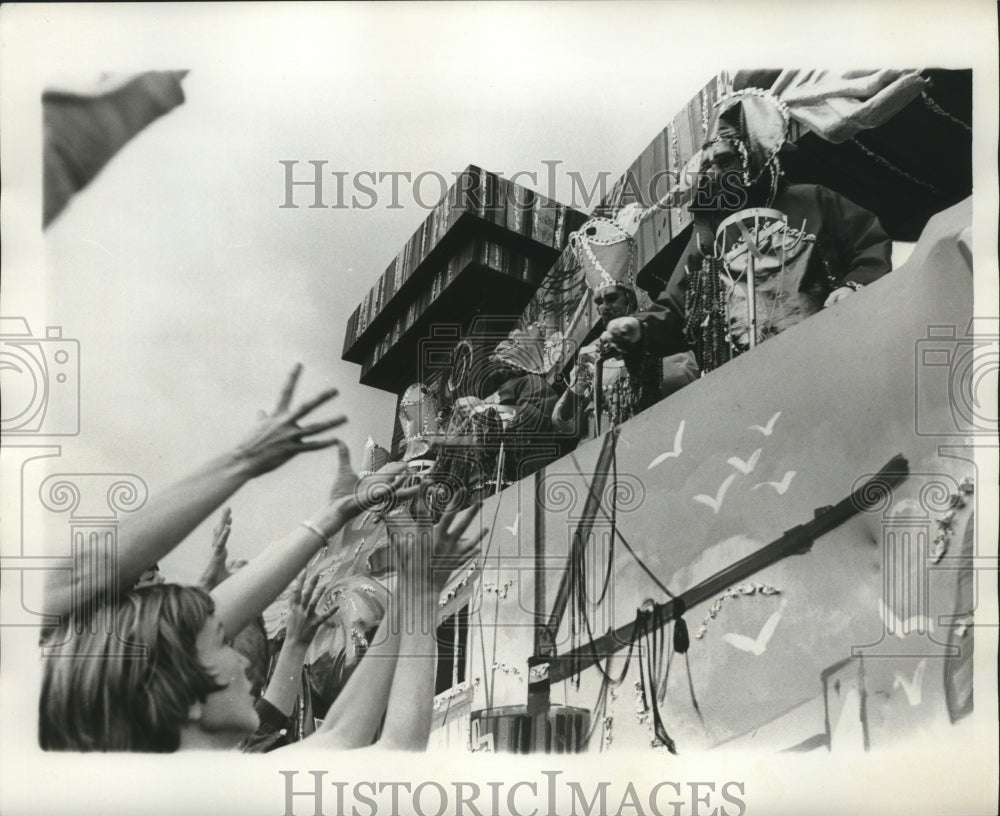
{"x": 312, "y": 528}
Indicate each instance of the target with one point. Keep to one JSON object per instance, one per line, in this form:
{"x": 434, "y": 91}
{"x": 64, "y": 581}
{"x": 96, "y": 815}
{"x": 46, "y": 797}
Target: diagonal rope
{"x": 616, "y": 532}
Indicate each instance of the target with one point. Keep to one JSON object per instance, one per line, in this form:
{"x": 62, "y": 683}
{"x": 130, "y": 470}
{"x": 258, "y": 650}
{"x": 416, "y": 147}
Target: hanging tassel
{"x": 682, "y": 641}
{"x": 647, "y": 678}
{"x": 694, "y": 699}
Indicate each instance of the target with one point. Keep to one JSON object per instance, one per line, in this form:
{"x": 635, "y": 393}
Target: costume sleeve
{"x": 663, "y": 322}
{"x": 864, "y": 251}
{"x": 533, "y": 399}
{"x": 272, "y": 732}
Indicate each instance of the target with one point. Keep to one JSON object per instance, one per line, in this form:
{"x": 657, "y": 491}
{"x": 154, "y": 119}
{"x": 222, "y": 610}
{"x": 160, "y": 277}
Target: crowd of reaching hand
{"x": 141, "y": 665}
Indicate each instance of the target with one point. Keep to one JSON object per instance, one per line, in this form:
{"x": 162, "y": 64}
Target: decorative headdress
{"x": 524, "y": 350}
{"x": 606, "y": 253}
{"x": 758, "y": 122}
{"x": 374, "y": 458}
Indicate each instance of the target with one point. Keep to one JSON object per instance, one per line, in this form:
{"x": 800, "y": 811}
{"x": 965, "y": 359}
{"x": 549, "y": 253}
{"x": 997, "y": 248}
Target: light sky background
{"x": 192, "y": 294}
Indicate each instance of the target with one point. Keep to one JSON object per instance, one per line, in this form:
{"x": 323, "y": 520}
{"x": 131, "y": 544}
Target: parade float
{"x": 779, "y": 555}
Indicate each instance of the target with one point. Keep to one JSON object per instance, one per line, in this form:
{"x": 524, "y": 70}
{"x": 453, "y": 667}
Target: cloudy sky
{"x": 192, "y": 292}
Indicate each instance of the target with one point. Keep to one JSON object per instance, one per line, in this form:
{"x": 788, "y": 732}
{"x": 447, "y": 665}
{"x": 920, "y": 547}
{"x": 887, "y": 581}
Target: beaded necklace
{"x": 705, "y": 324}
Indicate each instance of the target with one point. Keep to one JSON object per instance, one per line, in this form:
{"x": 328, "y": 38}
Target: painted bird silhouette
{"x": 513, "y": 527}
{"x": 673, "y": 454}
{"x": 745, "y": 467}
{"x": 780, "y": 487}
{"x": 716, "y": 502}
{"x": 900, "y": 628}
{"x": 765, "y": 429}
{"x": 758, "y": 646}
{"x": 912, "y": 688}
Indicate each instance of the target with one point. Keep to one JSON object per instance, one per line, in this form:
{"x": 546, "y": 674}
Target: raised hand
{"x": 351, "y": 495}
{"x": 216, "y": 571}
{"x": 435, "y": 550}
{"x": 449, "y": 550}
{"x": 278, "y": 436}
{"x": 304, "y": 619}
{"x": 622, "y": 333}
{"x": 837, "y": 294}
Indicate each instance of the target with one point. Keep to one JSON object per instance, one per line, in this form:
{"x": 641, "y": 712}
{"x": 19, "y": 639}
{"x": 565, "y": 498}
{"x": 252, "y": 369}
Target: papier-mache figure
{"x": 374, "y": 458}
{"x": 420, "y": 418}
{"x": 511, "y": 426}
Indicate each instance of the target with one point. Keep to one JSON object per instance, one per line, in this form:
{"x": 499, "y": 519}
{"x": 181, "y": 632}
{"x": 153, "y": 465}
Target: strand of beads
{"x": 705, "y": 325}
{"x": 946, "y": 522}
{"x": 462, "y": 582}
{"x": 505, "y": 668}
{"x": 609, "y": 719}
{"x": 745, "y": 589}
{"x": 500, "y": 591}
{"x": 936, "y": 109}
{"x": 445, "y": 697}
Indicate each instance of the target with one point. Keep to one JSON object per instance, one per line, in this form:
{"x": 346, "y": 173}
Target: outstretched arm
{"x": 357, "y": 711}
{"x": 435, "y": 555}
{"x": 396, "y": 675}
{"x": 245, "y": 595}
{"x": 146, "y": 536}
{"x": 659, "y": 329}
{"x": 304, "y": 620}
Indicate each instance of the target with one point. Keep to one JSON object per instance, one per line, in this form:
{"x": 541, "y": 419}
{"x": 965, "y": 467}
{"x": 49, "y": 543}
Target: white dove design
{"x": 716, "y": 503}
{"x": 912, "y": 688}
{"x": 765, "y": 429}
{"x": 918, "y": 623}
{"x": 745, "y": 467}
{"x": 780, "y": 487}
{"x": 513, "y": 527}
{"x": 673, "y": 454}
{"x": 759, "y": 646}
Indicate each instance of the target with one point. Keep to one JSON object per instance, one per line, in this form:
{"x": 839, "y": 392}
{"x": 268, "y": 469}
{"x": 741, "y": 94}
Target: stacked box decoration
{"x": 476, "y": 194}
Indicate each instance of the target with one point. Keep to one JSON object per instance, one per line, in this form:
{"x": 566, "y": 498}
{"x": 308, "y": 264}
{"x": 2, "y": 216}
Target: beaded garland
{"x": 745, "y": 589}
{"x": 705, "y": 324}
{"x": 506, "y": 668}
{"x": 462, "y": 582}
{"x": 946, "y": 522}
{"x": 609, "y": 719}
{"x": 642, "y": 716}
{"x": 500, "y": 591}
{"x": 445, "y": 697}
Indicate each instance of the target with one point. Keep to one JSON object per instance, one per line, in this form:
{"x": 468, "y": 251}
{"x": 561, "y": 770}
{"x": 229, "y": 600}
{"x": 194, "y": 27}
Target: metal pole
{"x": 598, "y": 392}
{"x": 752, "y": 283}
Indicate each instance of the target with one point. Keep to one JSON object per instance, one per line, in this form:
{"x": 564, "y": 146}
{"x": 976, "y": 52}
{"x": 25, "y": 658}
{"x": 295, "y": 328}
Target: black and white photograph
{"x": 502, "y": 409}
